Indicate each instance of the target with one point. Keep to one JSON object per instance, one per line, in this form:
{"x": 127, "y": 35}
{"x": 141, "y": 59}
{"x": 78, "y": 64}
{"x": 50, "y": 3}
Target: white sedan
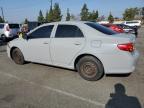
{"x": 87, "y": 47}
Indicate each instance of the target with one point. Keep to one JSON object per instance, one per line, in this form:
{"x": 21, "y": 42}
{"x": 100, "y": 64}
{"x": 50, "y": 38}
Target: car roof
{"x": 67, "y": 22}
{"x": 80, "y": 23}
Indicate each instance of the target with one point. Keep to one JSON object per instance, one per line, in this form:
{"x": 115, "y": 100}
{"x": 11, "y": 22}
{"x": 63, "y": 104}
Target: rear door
{"x": 68, "y": 41}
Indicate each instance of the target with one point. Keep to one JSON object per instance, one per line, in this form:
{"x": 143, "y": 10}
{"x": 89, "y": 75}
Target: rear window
{"x": 1, "y": 26}
{"x": 101, "y": 28}
{"x": 13, "y": 26}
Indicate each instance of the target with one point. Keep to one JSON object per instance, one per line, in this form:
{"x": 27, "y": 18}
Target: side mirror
{"x": 23, "y": 35}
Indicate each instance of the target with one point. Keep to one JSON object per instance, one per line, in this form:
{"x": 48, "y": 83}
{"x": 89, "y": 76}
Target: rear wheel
{"x": 90, "y": 68}
{"x": 17, "y": 56}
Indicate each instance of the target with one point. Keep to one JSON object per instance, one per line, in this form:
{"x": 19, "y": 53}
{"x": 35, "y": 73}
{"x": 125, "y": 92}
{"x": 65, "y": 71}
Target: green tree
{"x": 26, "y": 21}
{"x": 50, "y": 15}
{"x": 68, "y": 17}
{"x": 130, "y": 13}
{"x": 90, "y": 17}
{"x": 84, "y": 13}
{"x": 46, "y": 17}
{"x": 57, "y": 13}
{"x": 96, "y": 15}
{"x": 93, "y": 16}
{"x": 40, "y": 17}
{"x": 1, "y": 20}
{"x": 142, "y": 13}
{"x": 110, "y": 18}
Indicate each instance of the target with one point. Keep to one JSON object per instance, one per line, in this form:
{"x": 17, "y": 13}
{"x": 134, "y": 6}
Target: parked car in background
{"x": 103, "y": 22}
{"x": 9, "y": 30}
{"x": 126, "y": 28}
{"x": 134, "y": 23}
{"x": 1, "y": 29}
{"x": 129, "y": 29}
{"x": 89, "y": 48}
{"x": 114, "y": 27}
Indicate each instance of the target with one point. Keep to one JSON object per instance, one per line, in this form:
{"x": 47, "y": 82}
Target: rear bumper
{"x": 121, "y": 64}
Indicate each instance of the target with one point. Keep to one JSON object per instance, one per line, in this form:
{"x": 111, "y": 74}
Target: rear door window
{"x": 68, "y": 31}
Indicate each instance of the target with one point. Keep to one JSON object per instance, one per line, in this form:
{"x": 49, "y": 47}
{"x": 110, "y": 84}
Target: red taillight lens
{"x": 117, "y": 29}
{"x": 120, "y": 30}
{"x": 126, "y": 47}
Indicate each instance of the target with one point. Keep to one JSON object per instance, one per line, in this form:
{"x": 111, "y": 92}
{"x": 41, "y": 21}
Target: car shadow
{"x": 120, "y": 99}
{"x": 118, "y": 75}
{"x": 57, "y": 67}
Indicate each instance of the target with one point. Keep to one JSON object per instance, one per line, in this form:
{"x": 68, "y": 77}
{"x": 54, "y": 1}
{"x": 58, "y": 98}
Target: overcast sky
{"x": 18, "y": 10}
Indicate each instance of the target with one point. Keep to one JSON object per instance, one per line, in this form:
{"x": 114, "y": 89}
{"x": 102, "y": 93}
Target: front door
{"x": 37, "y": 47}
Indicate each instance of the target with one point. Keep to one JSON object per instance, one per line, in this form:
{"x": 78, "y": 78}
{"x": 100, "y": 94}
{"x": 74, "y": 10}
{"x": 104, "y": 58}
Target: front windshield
{"x": 101, "y": 28}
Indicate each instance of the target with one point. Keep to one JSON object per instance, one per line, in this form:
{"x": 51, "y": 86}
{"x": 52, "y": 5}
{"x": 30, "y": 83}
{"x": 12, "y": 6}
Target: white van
{"x": 9, "y": 30}
{"x": 133, "y": 23}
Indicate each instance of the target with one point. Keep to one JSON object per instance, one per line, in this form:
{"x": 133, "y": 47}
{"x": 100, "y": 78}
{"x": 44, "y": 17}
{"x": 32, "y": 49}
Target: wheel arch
{"x": 83, "y": 55}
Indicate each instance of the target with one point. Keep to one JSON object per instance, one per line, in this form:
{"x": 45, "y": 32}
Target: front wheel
{"x": 90, "y": 68}
{"x": 18, "y": 57}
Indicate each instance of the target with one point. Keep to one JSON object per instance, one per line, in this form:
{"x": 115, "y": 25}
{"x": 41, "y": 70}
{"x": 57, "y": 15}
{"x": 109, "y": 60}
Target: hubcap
{"x": 89, "y": 69}
{"x": 16, "y": 57}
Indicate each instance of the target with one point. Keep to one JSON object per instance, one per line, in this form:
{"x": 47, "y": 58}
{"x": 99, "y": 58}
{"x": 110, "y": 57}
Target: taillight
{"x": 126, "y": 47}
{"x": 7, "y": 28}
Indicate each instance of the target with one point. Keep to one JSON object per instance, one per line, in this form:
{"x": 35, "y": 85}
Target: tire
{"x": 3, "y": 38}
{"x": 90, "y": 68}
{"x": 17, "y": 56}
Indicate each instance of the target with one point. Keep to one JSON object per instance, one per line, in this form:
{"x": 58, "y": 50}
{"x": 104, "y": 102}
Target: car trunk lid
{"x": 125, "y": 36}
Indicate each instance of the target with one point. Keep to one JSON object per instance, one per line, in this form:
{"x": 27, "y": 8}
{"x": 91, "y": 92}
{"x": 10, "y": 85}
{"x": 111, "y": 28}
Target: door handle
{"x": 45, "y": 43}
{"x": 77, "y": 43}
